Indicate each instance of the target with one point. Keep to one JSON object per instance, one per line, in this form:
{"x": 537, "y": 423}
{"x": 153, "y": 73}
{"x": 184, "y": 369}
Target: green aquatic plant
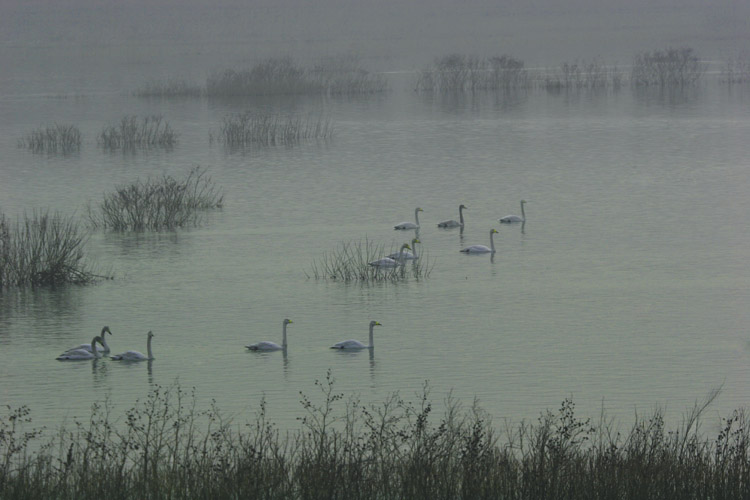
{"x": 57, "y": 138}
{"x": 159, "y": 203}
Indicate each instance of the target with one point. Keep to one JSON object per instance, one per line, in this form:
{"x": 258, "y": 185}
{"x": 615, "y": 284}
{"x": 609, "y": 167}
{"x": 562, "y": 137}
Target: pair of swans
{"x": 94, "y": 351}
{"x": 482, "y": 248}
{"x": 346, "y": 344}
{"x": 395, "y": 259}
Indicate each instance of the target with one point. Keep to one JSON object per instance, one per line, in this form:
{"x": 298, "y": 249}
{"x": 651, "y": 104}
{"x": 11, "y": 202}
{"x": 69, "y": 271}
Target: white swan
{"x": 410, "y": 225}
{"x": 271, "y": 346}
{"x": 135, "y": 355}
{"x": 81, "y": 354}
{"x": 455, "y": 223}
{"x": 515, "y": 218}
{"x": 389, "y": 262}
{"x": 104, "y": 348}
{"x": 407, "y": 255}
{"x": 356, "y": 344}
{"x": 482, "y": 248}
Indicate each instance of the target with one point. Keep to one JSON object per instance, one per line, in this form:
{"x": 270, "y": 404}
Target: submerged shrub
{"x": 583, "y": 75}
{"x": 667, "y": 68}
{"x": 154, "y": 204}
{"x": 151, "y": 131}
{"x": 57, "y": 138}
{"x": 282, "y": 76}
{"x": 265, "y": 129}
{"x": 456, "y": 72}
{"x": 736, "y": 70}
{"x": 43, "y": 249}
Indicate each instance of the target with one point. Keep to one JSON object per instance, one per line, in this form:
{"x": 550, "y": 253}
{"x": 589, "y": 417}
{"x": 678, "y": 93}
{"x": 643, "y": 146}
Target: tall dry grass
{"x": 57, "y": 138}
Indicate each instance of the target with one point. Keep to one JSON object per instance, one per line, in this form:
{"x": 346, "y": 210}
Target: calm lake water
{"x": 627, "y": 288}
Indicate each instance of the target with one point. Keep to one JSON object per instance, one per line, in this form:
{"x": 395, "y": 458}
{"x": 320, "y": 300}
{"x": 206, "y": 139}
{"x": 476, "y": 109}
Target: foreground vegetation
{"x": 57, "y": 138}
{"x": 343, "y": 449}
{"x": 156, "y": 204}
{"x": 43, "y": 249}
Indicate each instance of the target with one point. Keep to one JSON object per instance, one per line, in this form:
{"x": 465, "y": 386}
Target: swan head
{"x": 418, "y": 210}
{"x": 105, "y": 330}
{"x": 406, "y": 246}
{"x": 287, "y": 321}
{"x": 375, "y": 323}
{"x": 414, "y": 241}
{"x": 150, "y": 334}
{"x": 523, "y": 202}
{"x": 463, "y": 207}
{"x": 493, "y": 231}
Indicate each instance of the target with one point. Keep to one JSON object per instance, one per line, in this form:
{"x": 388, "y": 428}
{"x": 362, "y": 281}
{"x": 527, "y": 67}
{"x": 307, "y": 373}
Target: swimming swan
{"x": 407, "y": 255}
{"x": 271, "y": 346}
{"x": 482, "y": 248}
{"x": 135, "y": 355}
{"x": 410, "y": 225}
{"x": 104, "y": 348}
{"x": 515, "y": 218}
{"x": 356, "y": 344}
{"x": 455, "y": 223}
{"x": 80, "y": 354}
{"x": 389, "y": 262}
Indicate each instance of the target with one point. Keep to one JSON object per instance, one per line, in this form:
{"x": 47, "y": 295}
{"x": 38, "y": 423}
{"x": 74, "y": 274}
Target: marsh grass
{"x": 132, "y": 133}
{"x": 169, "y": 88}
{"x": 735, "y": 71}
{"x": 282, "y": 76}
{"x": 673, "y": 67}
{"x": 43, "y": 249}
{"x": 584, "y": 75}
{"x": 457, "y": 72}
{"x": 57, "y": 138}
{"x": 163, "y": 203}
{"x": 265, "y": 129}
{"x": 349, "y": 262}
{"x": 164, "y": 447}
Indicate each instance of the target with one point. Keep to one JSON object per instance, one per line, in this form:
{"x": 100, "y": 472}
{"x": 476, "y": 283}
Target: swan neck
{"x": 372, "y": 327}
{"x": 148, "y": 346}
{"x": 416, "y": 216}
{"x": 492, "y": 241}
{"x": 283, "y": 338}
{"x": 94, "y": 350}
{"x": 461, "y": 215}
{"x": 523, "y": 214}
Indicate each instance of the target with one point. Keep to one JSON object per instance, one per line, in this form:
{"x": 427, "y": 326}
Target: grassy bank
{"x": 163, "y": 447}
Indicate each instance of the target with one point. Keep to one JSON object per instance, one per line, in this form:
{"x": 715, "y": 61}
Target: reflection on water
{"x": 46, "y": 307}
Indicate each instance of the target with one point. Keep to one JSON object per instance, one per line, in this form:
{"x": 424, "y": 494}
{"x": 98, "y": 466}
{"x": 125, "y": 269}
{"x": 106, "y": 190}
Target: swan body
{"x": 515, "y": 218}
{"x": 356, "y": 344}
{"x": 389, "y": 262}
{"x": 103, "y": 347}
{"x": 407, "y": 255}
{"x": 271, "y": 346}
{"x": 452, "y": 222}
{"x": 482, "y": 248}
{"x": 410, "y": 225}
{"x": 81, "y": 354}
{"x": 135, "y": 355}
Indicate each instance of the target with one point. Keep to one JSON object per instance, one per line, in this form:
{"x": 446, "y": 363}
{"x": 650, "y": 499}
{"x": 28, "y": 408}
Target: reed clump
{"x": 165, "y": 447}
{"x": 349, "y": 262}
{"x": 43, "y": 249}
{"x": 457, "y": 72}
{"x": 171, "y": 87}
{"x": 673, "y": 67}
{"x": 736, "y": 71}
{"x": 57, "y": 138}
{"x": 583, "y": 75}
{"x": 282, "y": 76}
{"x": 163, "y": 203}
{"x": 271, "y": 129}
{"x": 132, "y": 133}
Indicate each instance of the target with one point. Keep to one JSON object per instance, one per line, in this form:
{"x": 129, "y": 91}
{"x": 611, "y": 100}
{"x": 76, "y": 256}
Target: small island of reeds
{"x": 266, "y": 129}
{"x": 58, "y": 138}
{"x": 163, "y": 203}
{"x": 131, "y": 133}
